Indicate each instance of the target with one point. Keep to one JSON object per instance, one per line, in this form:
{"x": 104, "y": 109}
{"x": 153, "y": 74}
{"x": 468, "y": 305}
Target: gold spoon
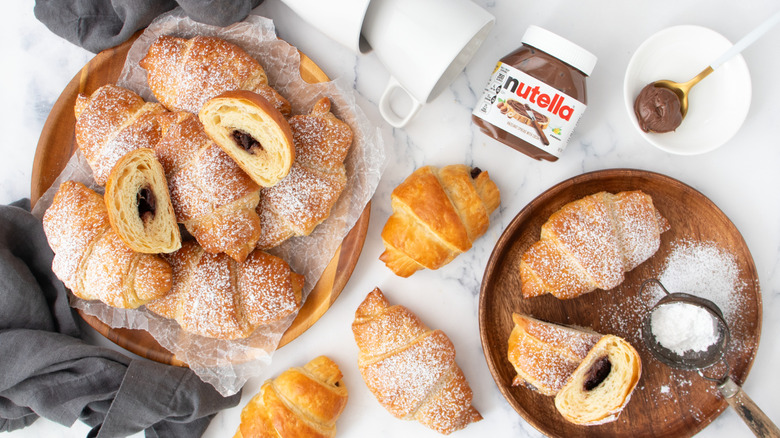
{"x": 682, "y": 89}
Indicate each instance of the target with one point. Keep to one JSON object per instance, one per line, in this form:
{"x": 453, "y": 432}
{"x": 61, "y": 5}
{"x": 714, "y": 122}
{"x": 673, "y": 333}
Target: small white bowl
{"x": 717, "y": 106}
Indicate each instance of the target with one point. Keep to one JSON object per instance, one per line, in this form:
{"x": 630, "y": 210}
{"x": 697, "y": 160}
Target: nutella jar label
{"x": 529, "y": 109}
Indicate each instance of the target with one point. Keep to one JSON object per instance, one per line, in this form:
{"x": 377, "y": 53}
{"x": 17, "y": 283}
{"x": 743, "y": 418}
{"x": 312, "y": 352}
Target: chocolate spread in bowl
{"x": 657, "y": 109}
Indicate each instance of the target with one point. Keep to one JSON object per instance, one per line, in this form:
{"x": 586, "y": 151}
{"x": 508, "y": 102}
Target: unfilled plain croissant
{"x": 300, "y": 402}
{"x": 590, "y": 243}
{"x": 249, "y": 129}
{"x": 111, "y": 122}
{"x": 410, "y": 368}
{"x": 211, "y": 195}
{"x": 544, "y": 354}
{"x": 184, "y": 73}
{"x": 437, "y": 214}
{"x": 602, "y": 384}
{"x": 305, "y": 197}
{"x": 139, "y": 206}
{"x": 217, "y": 297}
{"x": 92, "y": 260}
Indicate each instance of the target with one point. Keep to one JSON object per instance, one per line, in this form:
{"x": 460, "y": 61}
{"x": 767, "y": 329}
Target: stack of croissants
{"x": 222, "y": 156}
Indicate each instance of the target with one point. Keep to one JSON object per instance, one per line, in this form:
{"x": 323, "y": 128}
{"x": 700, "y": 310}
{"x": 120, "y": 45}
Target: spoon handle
{"x": 747, "y": 40}
{"x": 747, "y": 409}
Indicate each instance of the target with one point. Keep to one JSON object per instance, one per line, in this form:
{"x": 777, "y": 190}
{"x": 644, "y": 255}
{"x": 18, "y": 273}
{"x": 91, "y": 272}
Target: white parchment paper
{"x": 227, "y": 365}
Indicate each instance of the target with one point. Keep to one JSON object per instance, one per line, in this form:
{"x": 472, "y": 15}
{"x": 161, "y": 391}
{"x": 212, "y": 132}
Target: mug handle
{"x": 395, "y": 120}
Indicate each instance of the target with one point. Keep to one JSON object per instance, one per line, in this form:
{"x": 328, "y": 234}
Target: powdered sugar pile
{"x": 682, "y": 327}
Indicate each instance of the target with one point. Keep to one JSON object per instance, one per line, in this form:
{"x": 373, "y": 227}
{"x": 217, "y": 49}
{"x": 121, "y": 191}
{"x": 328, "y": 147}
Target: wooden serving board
{"x": 57, "y": 144}
{"x": 666, "y": 402}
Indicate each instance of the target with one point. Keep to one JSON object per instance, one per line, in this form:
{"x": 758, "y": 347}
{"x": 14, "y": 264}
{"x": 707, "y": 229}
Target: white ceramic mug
{"x": 424, "y": 44}
{"x": 340, "y": 20}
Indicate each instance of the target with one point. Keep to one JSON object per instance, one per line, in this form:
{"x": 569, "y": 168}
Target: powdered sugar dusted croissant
{"x": 300, "y": 402}
{"x": 92, "y": 260}
{"x": 437, "y": 215}
{"x": 590, "y": 243}
{"x": 112, "y": 122}
{"x": 410, "y": 368}
{"x": 215, "y": 296}
{"x": 184, "y": 73}
{"x": 305, "y": 197}
{"x": 211, "y": 195}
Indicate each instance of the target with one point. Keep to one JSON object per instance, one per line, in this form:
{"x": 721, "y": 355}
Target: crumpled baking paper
{"x": 227, "y": 365}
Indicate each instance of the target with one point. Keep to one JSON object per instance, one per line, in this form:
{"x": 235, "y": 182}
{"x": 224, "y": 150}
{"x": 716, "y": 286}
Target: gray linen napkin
{"x": 99, "y": 24}
{"x": 46, "y": 370}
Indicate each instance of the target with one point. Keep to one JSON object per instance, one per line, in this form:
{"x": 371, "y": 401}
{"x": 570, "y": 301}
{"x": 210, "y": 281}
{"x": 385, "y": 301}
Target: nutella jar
{"x": 536, "y": 95}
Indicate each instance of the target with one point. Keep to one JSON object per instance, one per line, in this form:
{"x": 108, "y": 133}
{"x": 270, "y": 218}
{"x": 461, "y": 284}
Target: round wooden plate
{"x": 57, "y": 144}
{"x": 666, "y": 402}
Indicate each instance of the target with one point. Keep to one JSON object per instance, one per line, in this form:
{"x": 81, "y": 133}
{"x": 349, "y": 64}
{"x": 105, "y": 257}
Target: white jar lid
{"x": 560, "y": 48}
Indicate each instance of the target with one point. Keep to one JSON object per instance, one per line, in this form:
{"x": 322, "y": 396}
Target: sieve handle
{"x": 750, "y": 413}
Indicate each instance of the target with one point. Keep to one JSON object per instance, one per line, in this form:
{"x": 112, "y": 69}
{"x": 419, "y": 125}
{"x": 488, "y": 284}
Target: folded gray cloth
{"x": 99, "y": 24}
{"x": 46, "y": 370}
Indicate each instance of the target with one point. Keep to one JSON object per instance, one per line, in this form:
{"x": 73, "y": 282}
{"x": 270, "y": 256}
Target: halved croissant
{"x": 590, "y": 243}
{"x": 139, "y": 206}
{"x": 300, "y": 402}
{"x": 305, "y": 197}
{"x": 110, "y": 123}
{"x": 409, "y": 368}
{"x": 211, "y": 195}
{"x": 437, "y": 215}
{"x": 92, "y": 260}
{"x": 184, "y": 73}
{"x": 252, "y": 132}
{"x": 215, "y": 296}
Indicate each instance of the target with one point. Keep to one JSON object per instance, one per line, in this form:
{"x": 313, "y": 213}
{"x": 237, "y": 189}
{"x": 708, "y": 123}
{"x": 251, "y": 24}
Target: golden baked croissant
{"x": 211, "y": 195}
{"x": 544, "y": 354}
{"x": 300, "y": 402}
{"x": 139, "y": 206}
{"x": 92, "y": 260}
{"x": 305, "y": 197}
{"x": 215, "y": 296}
{"x": 110, "y": 123}
{"x": 252, "y": 132}
{"x": 437, "y": 215}
{"x": 410, "y": 368}
{"x": 590, "y": 243}
{"x": 602, "y": 384}
{"x": 184, "y": 73}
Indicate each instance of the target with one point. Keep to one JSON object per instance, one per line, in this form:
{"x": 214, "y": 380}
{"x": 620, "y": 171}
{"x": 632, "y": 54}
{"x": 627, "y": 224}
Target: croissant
{"x": 139, "y": 206}
{"x": 602, "y": 384}
{"x": 544, "y": 354}
{"x": 211, "y": 195}
{"x": 217, "y": 297}
{"x": 300, "y": 402}
{"x": 305, "y": 197}
{"x": 409, "y": 368}
{"x": 252, "y": 132}
{"x": 590, "y": 243}
{"x": 110, "y": 123}
{"x": 437, "y": 215}
{"x": 184, "y": 73}
{"x": 92, "y": 260}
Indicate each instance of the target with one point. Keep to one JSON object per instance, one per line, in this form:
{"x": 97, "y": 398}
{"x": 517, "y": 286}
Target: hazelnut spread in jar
{"x": 536, "y": 95}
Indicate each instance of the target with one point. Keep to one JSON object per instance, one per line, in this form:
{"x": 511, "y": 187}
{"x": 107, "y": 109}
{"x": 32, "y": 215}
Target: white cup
{"x": 424, "y": 44}
{"x": 340, "y": 20}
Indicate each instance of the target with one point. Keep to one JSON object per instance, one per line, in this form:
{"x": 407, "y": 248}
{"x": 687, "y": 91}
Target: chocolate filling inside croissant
{"x": 146, "y": 204}
{"x": 475, "y": 172}
{"x": 246, "y": 141}
{"x": 597, "y": 373}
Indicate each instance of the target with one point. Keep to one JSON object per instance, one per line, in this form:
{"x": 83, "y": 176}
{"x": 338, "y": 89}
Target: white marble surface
{"x": 740, "y": 178}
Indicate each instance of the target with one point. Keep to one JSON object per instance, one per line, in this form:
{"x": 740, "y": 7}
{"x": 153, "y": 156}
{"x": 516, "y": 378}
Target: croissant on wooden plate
{"x": 92, "y": 260}
{"x": 301, "y": 402}
{"x": 410, "y": 368}
{"x": 215, "y": 296}
{"x": 590, "y": 243}
{"x": 437, "y": 214}
{"x": 184, "y": 73}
